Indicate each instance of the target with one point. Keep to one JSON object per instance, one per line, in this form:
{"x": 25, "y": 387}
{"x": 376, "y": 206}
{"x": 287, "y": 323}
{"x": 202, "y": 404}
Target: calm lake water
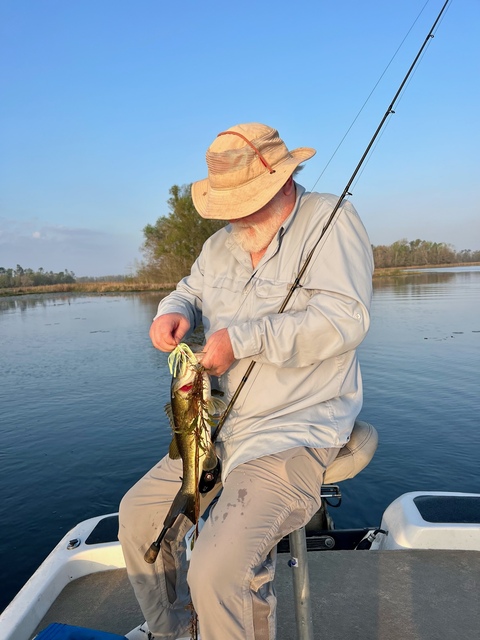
{"x": 82, "y": 394}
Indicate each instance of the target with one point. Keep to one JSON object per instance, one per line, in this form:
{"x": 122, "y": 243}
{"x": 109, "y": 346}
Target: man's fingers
{"x": 168, "y": 330}
{"x": 219, "y": 355}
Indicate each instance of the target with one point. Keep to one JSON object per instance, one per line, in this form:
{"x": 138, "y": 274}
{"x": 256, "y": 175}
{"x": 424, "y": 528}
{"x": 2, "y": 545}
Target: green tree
{"x": 173, "y": 243}
{"x": 403, "y": 253}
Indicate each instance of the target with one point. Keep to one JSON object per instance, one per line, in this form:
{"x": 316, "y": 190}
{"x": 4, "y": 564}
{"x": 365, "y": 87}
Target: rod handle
{"x": 152, "y": 552}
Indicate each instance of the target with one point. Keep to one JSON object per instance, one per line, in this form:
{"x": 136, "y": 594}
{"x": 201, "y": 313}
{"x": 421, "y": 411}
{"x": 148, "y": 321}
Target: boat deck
{"x": 357, "y": 595}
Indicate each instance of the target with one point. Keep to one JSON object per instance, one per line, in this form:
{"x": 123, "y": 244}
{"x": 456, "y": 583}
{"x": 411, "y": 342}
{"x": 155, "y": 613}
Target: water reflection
{"x": 417, "y": 278}
{"x": 30, "y": 301}
{"x": 429, "y": 284}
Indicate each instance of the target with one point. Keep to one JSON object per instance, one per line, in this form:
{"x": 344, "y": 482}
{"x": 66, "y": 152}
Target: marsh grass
{"x": 89, "y": 287}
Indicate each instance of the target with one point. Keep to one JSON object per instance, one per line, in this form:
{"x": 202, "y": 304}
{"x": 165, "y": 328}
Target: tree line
{"x": 21, "y": 277}
{"x": 420, "y": 253}
{"x": 175, "y": 240}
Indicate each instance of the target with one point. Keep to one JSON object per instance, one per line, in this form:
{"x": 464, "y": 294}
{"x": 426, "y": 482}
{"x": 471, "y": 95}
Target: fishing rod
{"x": 332, "y": 217}
{"x": 152, "y": 552}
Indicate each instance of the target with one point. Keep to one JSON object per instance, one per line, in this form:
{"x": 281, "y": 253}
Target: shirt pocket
{"x": 222, "y": 298}
{"x": 224, "y": 283}
{"x": 271, "y": 296}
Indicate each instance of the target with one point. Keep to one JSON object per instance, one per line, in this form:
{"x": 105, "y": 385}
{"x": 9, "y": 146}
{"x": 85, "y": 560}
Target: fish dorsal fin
{"x": 173, "y": 451}
{"x": 169, "y": 412}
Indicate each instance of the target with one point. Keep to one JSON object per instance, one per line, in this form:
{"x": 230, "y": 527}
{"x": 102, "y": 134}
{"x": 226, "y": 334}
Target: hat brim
{"x": 241, "y": 201}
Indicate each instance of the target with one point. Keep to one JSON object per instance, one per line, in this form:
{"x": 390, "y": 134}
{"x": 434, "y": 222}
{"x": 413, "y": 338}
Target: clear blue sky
{"x": 105, "y": 104}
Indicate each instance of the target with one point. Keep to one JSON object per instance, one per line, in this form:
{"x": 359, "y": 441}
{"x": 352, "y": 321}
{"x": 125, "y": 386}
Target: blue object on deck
{"x": 58, "y": 631}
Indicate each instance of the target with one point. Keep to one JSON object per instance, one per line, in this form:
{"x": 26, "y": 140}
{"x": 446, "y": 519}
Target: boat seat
{"x": 354, "y": 455}
{"x": 351, "y": 459}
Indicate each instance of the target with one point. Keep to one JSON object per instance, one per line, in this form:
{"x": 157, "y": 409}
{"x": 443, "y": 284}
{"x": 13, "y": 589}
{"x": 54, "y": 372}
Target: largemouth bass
{"x": 192, "y": 410}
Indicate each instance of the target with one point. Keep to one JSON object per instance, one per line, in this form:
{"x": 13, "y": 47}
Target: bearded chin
{"x": 252, "y": 239}
{"x": 256, "y": 236}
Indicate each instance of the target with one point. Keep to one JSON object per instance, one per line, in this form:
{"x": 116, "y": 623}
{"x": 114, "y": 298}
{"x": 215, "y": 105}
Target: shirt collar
{"x": 286, "y": 223}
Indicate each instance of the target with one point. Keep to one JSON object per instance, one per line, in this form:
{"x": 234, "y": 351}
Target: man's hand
{"x": 168, "y": 330}
{"x": 218, "y": 353}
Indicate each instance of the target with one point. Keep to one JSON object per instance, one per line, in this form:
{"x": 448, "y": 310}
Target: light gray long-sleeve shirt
{"x": 306, "y": 388}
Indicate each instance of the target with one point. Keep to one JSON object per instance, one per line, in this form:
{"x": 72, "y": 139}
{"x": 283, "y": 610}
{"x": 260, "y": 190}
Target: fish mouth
{"x": 184, "y": 383}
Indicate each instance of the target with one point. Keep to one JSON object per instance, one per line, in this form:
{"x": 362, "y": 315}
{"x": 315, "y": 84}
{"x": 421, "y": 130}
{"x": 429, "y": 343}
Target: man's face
{"x": 255, "y": 232}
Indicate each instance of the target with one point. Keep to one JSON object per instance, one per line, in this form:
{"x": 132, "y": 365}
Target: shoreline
{"x": 88, "y": 287}
{"x": 141, "y": 287}
{"x": 391, "y": 272}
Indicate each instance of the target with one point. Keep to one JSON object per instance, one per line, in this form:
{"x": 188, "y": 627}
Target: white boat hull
{"x": 62, "y": 565}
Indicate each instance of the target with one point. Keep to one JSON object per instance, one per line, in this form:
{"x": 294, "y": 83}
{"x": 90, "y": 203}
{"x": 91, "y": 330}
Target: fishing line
{"x": 400, "y": 97}
{"x": 369, "y": 96}
{"x": 397, "y": 99}
{"x": 370, "y": 155}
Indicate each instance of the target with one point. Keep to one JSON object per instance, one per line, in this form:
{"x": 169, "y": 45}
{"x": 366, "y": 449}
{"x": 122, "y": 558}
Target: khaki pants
{"x": 230, "y": 577}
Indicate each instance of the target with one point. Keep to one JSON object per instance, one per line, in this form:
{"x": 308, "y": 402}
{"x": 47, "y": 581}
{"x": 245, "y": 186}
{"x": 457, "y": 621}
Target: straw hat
{"x": 247, "y": 165}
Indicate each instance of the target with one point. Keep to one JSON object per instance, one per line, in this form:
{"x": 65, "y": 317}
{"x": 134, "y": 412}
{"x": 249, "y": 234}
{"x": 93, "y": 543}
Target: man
{"x": 297, "y": 408}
